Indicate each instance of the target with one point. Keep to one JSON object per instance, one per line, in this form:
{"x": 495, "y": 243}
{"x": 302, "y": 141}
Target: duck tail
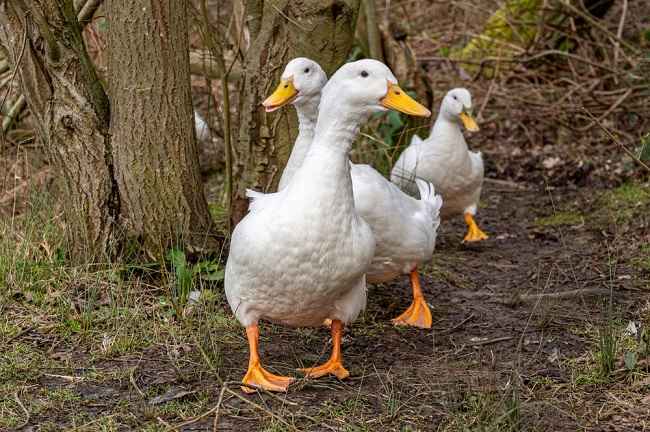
{"x": 255, "y": 199}
{"x": 431, "y": 201}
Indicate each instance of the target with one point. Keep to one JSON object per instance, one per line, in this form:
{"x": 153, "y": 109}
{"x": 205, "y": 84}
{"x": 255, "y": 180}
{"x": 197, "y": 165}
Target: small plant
{"x": 607, "y": 349}
{"x": 185, "y": 275}
{"x": 559, "y": 219}
{"x": 644, "y": 151}
{"x": 638, "y": 351}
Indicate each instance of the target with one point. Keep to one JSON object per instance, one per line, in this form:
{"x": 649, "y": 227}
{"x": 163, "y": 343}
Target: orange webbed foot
{"x": 474, "y": 233}
{"x": 258, "y": 377}
{"x": 330, "y": 367}
{"x": 333, "y": 366}
{"x": 417, "y": 315}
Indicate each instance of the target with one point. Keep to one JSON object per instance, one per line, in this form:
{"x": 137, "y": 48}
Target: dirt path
{"x": 516, "y": 321}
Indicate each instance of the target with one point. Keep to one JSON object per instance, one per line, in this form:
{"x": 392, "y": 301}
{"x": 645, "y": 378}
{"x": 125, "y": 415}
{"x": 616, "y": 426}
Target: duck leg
{"x": 333, "y": 366}
{"x": 418, "y": 314}
{"x": 474, "y": 233}
{"x": 256, "y": 375}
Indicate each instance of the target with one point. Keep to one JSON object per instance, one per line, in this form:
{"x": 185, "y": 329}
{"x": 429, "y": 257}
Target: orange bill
{"x": 468, "y": 122}
{"x": 397, "y": 99}
{"x": 284, "y": 94}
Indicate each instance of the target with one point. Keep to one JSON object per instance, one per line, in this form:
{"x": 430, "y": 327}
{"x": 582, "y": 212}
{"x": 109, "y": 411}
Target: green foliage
{"x": 607, "y": 349}
{"x": 637, "y": 350}
{"x": 625, "y": 202}
{"x": 390, "y": 128}
{"x": 186, "y": 275}
{"x": 644, "y": 151}
{"x": 642, "y": 261}
{"x": 560, "y": 218}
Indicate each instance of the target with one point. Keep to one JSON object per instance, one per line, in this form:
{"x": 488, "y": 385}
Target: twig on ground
{"x": 18, "y": 335}
{"x": 133, "y": 383}
{"x": 261, "y": 408}
{"x": 216, "y": 415}
{"x": 20, "y": 404}
{"x": 457, "y": 326}
{"x": 564, "y": 294}
{"x": 492, "y": 341}
{"x": 205, "y": 414}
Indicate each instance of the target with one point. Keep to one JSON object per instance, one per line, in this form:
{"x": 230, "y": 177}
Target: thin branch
{"x": 14, "y": 113}
{"x": 619, "y": 32}
{"x": 374, "y": 40}
{"x": 587, "y": 17}
{"x": 203, "y": 63}
{"x": 628, "y": 151}
{"x": 564, "y": 294}
{"x": 20, "y": 404}
{"x": 13, "y": 74}
{"x": 98, "y": 97}
{"x": 87, "y": 11}
{"x": 205, "y": 414}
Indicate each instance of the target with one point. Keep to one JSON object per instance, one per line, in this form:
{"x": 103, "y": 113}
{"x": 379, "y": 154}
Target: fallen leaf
{"x": 171, "y": 394}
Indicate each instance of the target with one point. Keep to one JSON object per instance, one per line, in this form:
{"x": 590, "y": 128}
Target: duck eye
{"x": 306, "y": 70}
{"x": 364, "y": 74}
{"x": 455, "y": 98}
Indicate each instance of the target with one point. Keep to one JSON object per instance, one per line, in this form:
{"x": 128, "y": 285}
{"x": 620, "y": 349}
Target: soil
{"x": 492, "y": 342}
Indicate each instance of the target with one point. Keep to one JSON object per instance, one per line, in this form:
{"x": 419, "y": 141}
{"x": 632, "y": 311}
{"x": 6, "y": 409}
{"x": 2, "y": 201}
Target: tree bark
{"x": 322, "y": 30}
{"x": 152, "y": 128}
{"x": 72, "y": 114}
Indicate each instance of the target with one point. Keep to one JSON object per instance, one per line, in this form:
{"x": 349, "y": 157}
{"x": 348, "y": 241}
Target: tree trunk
{"x": 322, "y": 30}
{"x": 71, "y": 111}
{"x": 152, "y": 128}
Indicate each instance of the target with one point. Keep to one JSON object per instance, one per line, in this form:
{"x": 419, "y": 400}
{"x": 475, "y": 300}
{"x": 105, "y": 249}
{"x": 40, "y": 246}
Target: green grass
{"x": 642, "y": 261}
{"x": 486, "y": 411}
{"x": 608, "y": 344}
{"x": 561, "y": 219}
{"x": 624, "y": 202}
{"x": 113, "y": 325}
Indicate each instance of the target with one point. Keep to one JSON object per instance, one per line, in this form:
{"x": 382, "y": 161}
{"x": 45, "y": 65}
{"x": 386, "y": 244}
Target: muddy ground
{"x": 514, "y": 345}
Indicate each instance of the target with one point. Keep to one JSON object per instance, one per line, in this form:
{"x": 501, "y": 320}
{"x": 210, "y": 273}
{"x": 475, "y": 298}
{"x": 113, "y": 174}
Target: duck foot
{"x": 333, "y": 366}
{"x": 257, "y": 376}
{"x": 418, "y": 314}
{"x": 474, "y": 233}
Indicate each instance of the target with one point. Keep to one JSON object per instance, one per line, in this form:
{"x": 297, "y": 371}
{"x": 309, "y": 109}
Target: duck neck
{"x": 307, "y": 115}
{"x": 447, "y": 132}
{"x": 328, "y": 156}
{"x": 336, "y": 130}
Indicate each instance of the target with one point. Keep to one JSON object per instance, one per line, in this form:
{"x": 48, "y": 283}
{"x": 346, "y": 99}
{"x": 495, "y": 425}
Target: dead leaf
{"x": 171, "y": 394}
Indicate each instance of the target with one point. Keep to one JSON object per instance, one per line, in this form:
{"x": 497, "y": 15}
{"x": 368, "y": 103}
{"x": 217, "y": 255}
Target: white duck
{"x": 445, "y": 160}
{"x": 404, "y": 228}
{"x": 300, "y": 255}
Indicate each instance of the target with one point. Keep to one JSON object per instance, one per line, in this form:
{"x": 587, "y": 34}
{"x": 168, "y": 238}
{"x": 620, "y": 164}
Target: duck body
{"x": 444, "y": 160}
{"x": 300, "y": 255}
{"x": 404, "y": 228}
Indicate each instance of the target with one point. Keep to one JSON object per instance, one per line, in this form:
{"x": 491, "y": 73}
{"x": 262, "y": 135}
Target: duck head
{"x": 457, "y": 104}
{"x": 366, "y": 86}
{"x": 301, "y": 82}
